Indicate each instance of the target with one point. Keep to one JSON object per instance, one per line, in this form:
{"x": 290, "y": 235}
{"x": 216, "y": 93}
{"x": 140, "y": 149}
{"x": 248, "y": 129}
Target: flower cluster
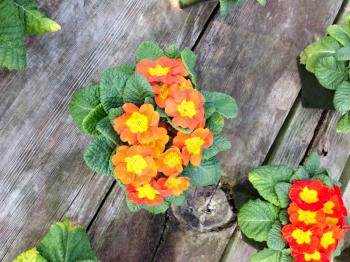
{"x": 317, "y": 215}
{"x": 155, "y": 153}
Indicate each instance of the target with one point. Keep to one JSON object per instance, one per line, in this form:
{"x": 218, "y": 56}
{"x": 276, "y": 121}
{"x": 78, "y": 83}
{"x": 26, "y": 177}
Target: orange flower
{"x": 186, "y": 107}
{"x": 134, "y": 165}
{"x": 135, "y": 124}
{"x": 177, "y": 185}
{"x": 192, "y": 145}
{"x": 165, "y": 70}
{"x": 329, "y": 239}
{"x": 170, "y": 162}
{"x": 148, "y": 194}
{"x": 301, "y": 240}
{"x": 304, "y": 218}
{"x": 163, "y": 90}
{"x": 309, "y": 194}
{"x": 315, "y": 256}
{"x": 156, "y": 139}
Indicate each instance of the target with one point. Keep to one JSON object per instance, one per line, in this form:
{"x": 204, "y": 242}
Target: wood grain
{"x": 43, "y": 177}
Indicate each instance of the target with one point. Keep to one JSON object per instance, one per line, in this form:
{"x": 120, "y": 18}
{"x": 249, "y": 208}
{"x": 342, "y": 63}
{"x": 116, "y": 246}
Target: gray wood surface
{"x": 250, "y": 54}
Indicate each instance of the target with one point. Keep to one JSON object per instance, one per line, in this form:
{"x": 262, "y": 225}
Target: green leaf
{"x": 282, "y": 190}
{"x": 178, "y": 128}
{"x": 114, "y": 112}
{"x": 157, "y": 209}
{"x": 341, "y": 33}
{"x": 325, "y": 179}
{"x": 284, "y": 217}
{"x": 132, "y": 207}
{"x": 31, "y": 255}
{"x": 256, "y": 218}
{"x": 342, "y": 97}
{"x": 215, "y": 123}
{"x": 149, "y": 100}
{"x": 35, "y": 21}
{"x": 343, "y": 53}
{"x": 127, "y": 69}
{"x": 227, "y": 5}
{"x": 173, "y": 52}
{"x": 66, "y": 242}
{"x": 137, "y": 88}
{"x": 224, "y": 104}
{"x": 148, "y": 50}
{"x": 83, "y": 101}
{"x": 300, "y": 174}
{"x": 329, "y": 72}
{"x": 262, "y": 2}
{"x": 268, "y": 255}
{"x": 209, "y": 110}
{"x": 220, "y": 144}
{"x": 177, "y": 200}
{"x": 12, "y": 44}
{"x": 265, "y": 178}
{"x": 313, "y": 164}
{"x": 189, "y": 60}
{"x": 208, "y": 173}
{"x": 327, "y": 46}
{"x": 112, "y": 86}
{"x": 98, "y": 154}
{"x": 343, "y": 124}
{"x": 106, "y": 129}
{"x": 274, "y": 239}
{"x": 91, "y": 120}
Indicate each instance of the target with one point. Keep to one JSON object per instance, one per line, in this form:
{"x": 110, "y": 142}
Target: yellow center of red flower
{"x": 314, "y": 256}
{"x": 194, "y": 145}
{"x": 328, "y": 207}
{"x": 172, "y": 182}
{"x": 172, "y": 159}
{"x": 327, "y": 239}
{"x": 138, "y": 123}
{"x": 163, "y": 91}
{"x": 135, "y": 164}
{"x": 147, "y": 191}
{"x": 187, "y": 109}
{"x": 332, "y": 221}
{"x": 158, "y": 70}
{"x": 308, "y": 217}
{"x": 309, "y": 196}
{"x": 302, "y": 236}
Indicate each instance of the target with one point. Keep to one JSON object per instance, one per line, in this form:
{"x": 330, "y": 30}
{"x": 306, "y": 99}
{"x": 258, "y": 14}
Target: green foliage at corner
{"x": 221, "y": 103}
{"x": 65, "y": 242}
{"x": 269, "y": 255}
{"x": 328, "y": 58}
{"x": 19, "y": 18}
{"x": 208, "y": 173}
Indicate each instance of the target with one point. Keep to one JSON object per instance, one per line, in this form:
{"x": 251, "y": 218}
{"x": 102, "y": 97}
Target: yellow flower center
{"x": 314, "y": 256}
{"x": 309, "y": 196}
{"x": 331, "y": 221}
{"x": 327, "y": 239}
{"x": 158, "y": 70}
{"x": 172, "y": 182}
{"x": 328, "y": 207}
{"x": 147, "y": 191}
{"x": 163, "y": 91}
{"x": 172, "y": 159}
{"x": 187, "y": 109}
{"x": 184, "y": 85}
{"x": 135, "y": 164}
{"x": 302, "y": 236}
{"x": 308, "y": 217}
{"x": 194, "y": 145}
{"x": 138, "y": 123}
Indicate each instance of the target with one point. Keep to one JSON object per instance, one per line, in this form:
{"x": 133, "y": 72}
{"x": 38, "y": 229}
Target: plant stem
{"x": 186, "y": 3}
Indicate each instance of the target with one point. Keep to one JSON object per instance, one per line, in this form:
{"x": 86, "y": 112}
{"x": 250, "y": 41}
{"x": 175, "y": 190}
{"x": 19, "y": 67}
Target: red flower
{"x": 309, "y": 194}
{"x": 305, "y": 218}
{"x": 329, "y": 239}
{"x": 163, "y": 70}
{"x": 311, "y": 257}
{"x": 148, "y": 194}
{"x": 301, "y": 240}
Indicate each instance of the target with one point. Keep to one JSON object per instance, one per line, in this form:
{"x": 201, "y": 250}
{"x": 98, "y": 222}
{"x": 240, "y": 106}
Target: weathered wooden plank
{"x": 43, "y": 177}
{"x": 255, "y": 60}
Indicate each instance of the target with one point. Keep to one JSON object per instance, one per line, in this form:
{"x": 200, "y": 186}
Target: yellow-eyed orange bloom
{"x": 177, "y": 185}
{"x": 305, "y": 218}
{"x": 186, "y": 107}
{"x": 192, "y": 145}
{"x": 134, "y": 165}
{"x": 165, "y": 70}
{"x": 315, "y": 256}
{"x": 329, "y": 239}
{"x": 147, "y": 194}
{"x": 135, "y": 124}
{"x": 156, "y": 139}
{"x": 170, "y": 162}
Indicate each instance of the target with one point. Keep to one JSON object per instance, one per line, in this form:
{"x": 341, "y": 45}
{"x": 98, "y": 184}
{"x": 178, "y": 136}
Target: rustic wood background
{"x": 250, "y": 54}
